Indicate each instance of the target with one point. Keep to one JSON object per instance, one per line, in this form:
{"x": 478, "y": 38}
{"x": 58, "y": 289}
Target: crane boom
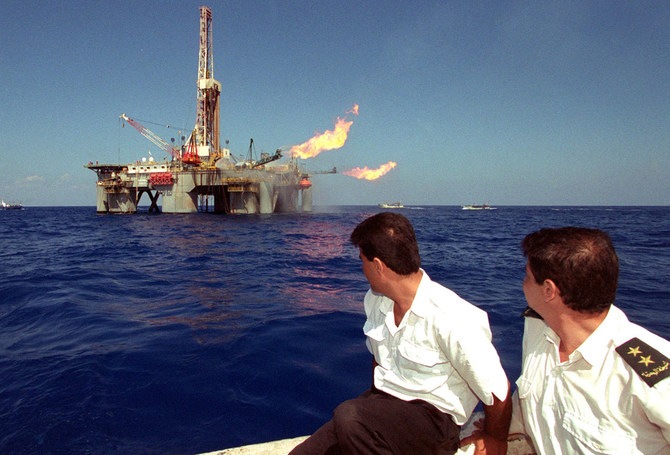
{"x": 329, "y": 171}
{"x": 157, "y": 140}
{"x": 268, "y": 159}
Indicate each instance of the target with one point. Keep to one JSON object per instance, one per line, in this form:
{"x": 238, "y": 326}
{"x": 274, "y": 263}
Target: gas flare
{"x": 370, "y": 174}
{"x": 329, "y": 140}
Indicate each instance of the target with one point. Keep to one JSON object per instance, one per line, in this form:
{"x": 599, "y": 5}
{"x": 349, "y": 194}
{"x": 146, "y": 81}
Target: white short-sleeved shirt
{"x": 440, "y": 353}
{"x": 595, "y": 402}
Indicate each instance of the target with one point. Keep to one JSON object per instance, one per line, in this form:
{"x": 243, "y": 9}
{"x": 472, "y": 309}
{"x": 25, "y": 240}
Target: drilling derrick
{"x": 206, "y": 133}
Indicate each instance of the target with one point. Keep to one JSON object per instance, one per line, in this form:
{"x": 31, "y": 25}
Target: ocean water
{"x": 181, "y": 334}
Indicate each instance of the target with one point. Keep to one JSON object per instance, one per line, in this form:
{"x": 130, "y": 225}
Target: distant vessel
{"x": 478, "y": 207}
{"x": 392, "y": 205}
{"x": 5, "y": 206}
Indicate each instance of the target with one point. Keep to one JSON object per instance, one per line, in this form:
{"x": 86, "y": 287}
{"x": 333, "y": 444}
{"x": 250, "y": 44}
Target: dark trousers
{"x": 378, "y": 423}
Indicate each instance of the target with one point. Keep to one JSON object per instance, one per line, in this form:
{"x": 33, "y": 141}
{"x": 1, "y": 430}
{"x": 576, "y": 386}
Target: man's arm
{"x": 497, "y": 418}
{"x": 492, "y": 439}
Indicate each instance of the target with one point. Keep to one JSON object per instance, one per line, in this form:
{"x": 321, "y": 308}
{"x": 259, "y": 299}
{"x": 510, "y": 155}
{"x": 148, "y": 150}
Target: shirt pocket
{"x": 422, "y": 367}
{"x": 377, "y": 342}
{"x": 590, "y": 436}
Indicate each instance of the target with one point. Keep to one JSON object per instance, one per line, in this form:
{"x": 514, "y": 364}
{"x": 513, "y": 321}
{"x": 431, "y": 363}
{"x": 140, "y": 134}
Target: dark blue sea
{"x": 182, "y": 334}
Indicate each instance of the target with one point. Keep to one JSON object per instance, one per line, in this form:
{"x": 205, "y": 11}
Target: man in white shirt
{"x": 592, "y": 382}
{"x": 433, "y": 359}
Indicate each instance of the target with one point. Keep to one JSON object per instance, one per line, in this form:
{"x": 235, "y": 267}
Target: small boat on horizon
{"x": 5, "y": 206}
{"x": 478, "y": 207}
{"x": 392, "y": 205}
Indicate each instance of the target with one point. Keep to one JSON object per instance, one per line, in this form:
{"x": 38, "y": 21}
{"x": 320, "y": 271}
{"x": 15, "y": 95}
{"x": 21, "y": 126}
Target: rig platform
{"x": 219, "y": 188}
{"x": 201, "y": 175}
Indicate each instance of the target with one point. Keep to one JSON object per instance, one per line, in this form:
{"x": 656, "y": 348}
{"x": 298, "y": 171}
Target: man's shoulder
{"x": 440, "y": 295}
{"x": 625, "y": 329}
{"x": 533, "y": 325}
{"x": 651, "y": 365}
{"x": 443, "y": 300}
{"x": 372, "y": 302}
{"x": 646, "y": 353}
{"x": 442, "y": 304}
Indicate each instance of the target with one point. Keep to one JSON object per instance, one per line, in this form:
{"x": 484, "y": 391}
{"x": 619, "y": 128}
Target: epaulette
{"x": 651, "y": 365}
{"x": 530, "y": 313}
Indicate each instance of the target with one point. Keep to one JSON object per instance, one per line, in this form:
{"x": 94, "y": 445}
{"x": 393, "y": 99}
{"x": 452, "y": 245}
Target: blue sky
{"x": 512, "y": 103}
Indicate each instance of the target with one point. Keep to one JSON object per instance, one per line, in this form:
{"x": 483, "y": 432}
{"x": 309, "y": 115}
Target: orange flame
{"x": 370, "y": 174}
{"x": 329, "y": 140}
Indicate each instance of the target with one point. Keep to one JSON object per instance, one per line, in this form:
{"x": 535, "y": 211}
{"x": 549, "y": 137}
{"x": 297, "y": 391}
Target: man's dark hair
{"x": 580, "y": 261}
{"x": 389, "y": 237}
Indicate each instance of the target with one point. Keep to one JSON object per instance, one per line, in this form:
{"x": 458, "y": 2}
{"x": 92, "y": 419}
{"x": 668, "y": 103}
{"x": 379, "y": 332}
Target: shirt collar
{"x": 550, "y": 335}
{"x": 419, "y": 303}
{"x": 386, "y": 304}
{"x": 597, "y": 345}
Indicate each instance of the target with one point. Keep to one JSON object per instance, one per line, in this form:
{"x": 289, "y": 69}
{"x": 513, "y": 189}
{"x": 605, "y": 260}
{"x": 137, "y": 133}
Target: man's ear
{"x": 550, "y": 290}
{"x": 379, "y": 265}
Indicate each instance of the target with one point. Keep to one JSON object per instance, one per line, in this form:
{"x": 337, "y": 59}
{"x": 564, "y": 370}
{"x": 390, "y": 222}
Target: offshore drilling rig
{"x": 201, "y": 175}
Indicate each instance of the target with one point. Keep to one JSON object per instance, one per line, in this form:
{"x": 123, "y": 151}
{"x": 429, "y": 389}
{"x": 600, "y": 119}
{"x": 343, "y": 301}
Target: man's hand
{"x": 490, "y": 436}
{"x": 485, "y": 444}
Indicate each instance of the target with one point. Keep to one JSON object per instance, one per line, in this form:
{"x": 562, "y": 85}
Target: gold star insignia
{"x": 646, "y": 360}
{"x": 648, "y": 363}
{"x": 634, "y": 351}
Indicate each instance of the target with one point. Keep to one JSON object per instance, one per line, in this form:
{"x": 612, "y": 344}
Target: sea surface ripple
{"x": 181, "y": 334}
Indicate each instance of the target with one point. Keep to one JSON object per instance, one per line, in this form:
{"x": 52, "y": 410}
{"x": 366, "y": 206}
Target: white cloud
{"x": 34, "y": 178}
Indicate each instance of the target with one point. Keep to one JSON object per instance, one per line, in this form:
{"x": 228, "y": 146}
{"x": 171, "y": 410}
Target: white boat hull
{"x": 517, "y": 444}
